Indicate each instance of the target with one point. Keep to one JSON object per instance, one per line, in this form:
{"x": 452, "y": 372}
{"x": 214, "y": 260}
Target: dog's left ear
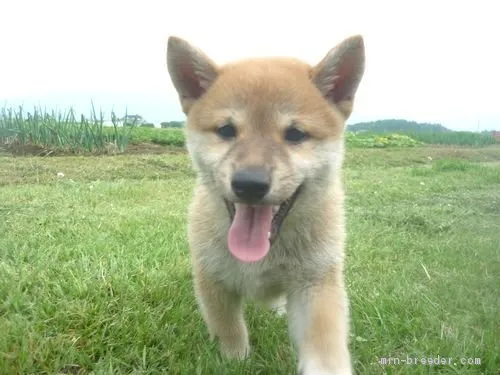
{"x": 338, "y": 75}
{"x": 191, "y": 71}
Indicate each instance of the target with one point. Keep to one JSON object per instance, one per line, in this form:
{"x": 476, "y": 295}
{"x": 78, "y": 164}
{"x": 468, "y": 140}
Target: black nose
{"x": 250, "y": 184}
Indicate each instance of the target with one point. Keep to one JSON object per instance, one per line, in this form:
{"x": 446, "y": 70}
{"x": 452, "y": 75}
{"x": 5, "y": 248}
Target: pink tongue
{"x": 248, "y": 237}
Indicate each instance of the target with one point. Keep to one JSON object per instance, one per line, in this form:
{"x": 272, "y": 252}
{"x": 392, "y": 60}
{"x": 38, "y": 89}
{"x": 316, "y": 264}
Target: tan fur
{"x": 262, "y": 97}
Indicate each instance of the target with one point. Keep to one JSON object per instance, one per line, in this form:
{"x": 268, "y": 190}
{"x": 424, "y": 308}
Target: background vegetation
{"x": 51, "y": 132}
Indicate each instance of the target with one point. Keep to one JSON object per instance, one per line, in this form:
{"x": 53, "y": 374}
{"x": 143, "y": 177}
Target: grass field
{"x": 95, "y": 274}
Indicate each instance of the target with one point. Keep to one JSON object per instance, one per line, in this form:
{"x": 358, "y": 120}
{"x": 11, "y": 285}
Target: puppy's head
{"x": 259, "y": 130}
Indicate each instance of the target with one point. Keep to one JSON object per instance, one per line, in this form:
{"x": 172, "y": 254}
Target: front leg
{"x": 319, "y": 325}
{"x": 223, "y": 314}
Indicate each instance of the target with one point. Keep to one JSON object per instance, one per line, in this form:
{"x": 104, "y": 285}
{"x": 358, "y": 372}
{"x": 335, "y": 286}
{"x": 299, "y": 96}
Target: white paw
{"x": 234, "y": 349}
{"x": 279, "y": 306}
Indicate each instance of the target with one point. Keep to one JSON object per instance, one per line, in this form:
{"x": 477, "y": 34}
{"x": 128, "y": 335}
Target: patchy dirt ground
{"x": 132, "y": 149}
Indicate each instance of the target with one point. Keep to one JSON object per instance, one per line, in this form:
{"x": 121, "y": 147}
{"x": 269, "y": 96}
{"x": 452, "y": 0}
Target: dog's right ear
{"x": 338, "y": 75}
{"x": 191, "y": 71}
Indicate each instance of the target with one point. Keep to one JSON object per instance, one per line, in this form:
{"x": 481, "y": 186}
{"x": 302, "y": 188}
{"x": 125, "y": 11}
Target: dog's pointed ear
{"x": 191, "y": 71}
{"x": 338, "y": 75}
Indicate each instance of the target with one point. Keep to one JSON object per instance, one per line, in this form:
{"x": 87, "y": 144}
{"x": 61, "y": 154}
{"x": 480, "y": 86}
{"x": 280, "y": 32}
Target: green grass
{"x": 95, "y": 273}
{"x": 370, "y": 140}
{"x": 462, "y": 138}
{"x": 56, "y": 131}
{"x": 167, "y": 137}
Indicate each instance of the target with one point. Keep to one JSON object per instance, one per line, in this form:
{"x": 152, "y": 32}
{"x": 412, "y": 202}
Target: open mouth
{"x": 254, "y": 228}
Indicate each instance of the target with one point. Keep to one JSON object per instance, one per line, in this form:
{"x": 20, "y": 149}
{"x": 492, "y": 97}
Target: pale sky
{"x": 426, "y": 61}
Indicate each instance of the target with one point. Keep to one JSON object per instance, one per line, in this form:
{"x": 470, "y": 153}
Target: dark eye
{"x": 295, "y": 135}
{"x": 227, "y": 131}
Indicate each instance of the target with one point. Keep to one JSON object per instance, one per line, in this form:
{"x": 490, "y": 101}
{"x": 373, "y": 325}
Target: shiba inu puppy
{"x": 266, "y": 222}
